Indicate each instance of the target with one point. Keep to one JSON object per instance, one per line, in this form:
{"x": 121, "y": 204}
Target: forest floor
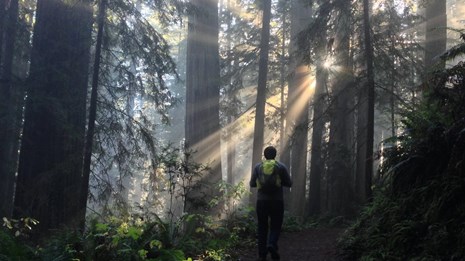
{"x": 313, "y": 244}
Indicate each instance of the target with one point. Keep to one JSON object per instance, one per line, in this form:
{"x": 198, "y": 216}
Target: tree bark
{"x": 9, "y": 105}
{"x": 298, "y": 107}
{"x": 84, "y": 189}
{"x": 316, "y": 156}
{"x": 51, "y": 158}
{"x": 436, "y": 33}
{"x": 283, "y": 137}
{"x": 202, "y": 126}
{"x": 371, "y": 101}
{"x": 339, "y": 147}
{"x": 231, "y": 135}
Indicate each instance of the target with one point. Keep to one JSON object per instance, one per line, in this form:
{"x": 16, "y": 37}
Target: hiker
{"x": 269, "y": 177}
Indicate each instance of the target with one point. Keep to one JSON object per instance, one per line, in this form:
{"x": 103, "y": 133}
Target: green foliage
{"x": 136, "y": 75}
{"x": 133, "y": 240}
{"x": 240, "y": 227}
{"x": 418, "y": 210}
{"x": 114, "y": 240}
{"x": 12, "y": 249}
{"x": 63, "y": 246}
{"x": 291, "y": 223}
{"x": 12, "y": 235}
{"x": 144, "y": 236}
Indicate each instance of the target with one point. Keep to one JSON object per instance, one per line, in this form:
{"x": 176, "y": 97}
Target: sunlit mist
{"x": 328, "y": 62}
{"x": 301, "y": 101}
{"x": 243, "y": 126}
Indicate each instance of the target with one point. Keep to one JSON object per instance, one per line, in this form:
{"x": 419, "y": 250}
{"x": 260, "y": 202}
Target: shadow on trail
{"x": 313, "y": 244}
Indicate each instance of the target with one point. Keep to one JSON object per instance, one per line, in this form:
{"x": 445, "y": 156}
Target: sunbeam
{"x": 243, "y": 126}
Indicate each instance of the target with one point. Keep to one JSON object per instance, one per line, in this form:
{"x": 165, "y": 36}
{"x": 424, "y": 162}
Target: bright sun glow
{"x": 328, "y": 62}
{"x": 243, "y": 127}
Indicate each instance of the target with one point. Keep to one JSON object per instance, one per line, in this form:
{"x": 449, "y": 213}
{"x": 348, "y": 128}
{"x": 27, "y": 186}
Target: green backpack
{"x": 269, "y": 181}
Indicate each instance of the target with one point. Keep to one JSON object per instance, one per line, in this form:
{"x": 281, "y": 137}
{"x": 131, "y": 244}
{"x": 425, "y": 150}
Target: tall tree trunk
{"x": 231, "y": 135}
{"x": 9, "y": 105}
{"x": 285, "y": 153}
{"x": 84, "y": 189}
{"x": 2, "y": 26}
{"x": 259, "y": 125}
{"x": 316, "y": 157}
{"x": 202, "y": 127}
{"x": 51, "y": 158}
{"x": 371, "y": 101}
{"x": 339, "y": 148}
{"x": 282, "y": 81}
{"x": 298, "y": 106}
{"x": 365, "y": 116}
{"x": 286, "y": 131}
{"x": 392, "y": 107}
{"x": 436, "y": 33}
{"x": 362, "y": 129}
{"x": 231, "y": 154}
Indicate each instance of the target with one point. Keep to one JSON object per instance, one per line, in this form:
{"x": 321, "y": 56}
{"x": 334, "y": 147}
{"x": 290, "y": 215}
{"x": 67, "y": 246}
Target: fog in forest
{"x": 159, "y": 110}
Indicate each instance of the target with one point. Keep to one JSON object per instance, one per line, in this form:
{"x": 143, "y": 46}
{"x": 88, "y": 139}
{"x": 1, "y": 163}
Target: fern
{"x": 418, "y": 210}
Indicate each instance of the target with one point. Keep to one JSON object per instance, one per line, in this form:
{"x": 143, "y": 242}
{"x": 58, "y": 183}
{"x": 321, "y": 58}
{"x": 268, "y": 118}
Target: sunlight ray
{"x": 243, "y": 126}
{"x": 303, "y": 96}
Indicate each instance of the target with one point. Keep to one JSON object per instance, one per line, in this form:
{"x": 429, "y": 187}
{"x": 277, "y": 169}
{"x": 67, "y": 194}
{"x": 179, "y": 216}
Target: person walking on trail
{"x": 269, "y": 177}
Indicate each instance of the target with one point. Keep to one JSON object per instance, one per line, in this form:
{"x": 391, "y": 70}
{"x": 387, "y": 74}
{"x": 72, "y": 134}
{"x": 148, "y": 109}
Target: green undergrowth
{"x": 418, "y": 208}
{"x": 193, "y": 237}
{"x": 135, "y": 237}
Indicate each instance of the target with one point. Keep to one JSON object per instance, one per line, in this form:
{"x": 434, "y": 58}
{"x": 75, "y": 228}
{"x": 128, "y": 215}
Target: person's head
{"x": 269, "y": 152}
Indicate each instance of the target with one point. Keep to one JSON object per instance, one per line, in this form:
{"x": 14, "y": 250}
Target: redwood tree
{"x": 318, "y": 128}
{"x": 202, "y": 125}
{"x": 50, "y": 163}
{"x": 298, "y": 113}
{"x": 9, "y": 106}
{"x": 339, "y": 147}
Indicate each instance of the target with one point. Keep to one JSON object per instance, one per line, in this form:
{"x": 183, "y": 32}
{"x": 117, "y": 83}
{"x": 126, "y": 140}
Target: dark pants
{"x": 274, "y": 210}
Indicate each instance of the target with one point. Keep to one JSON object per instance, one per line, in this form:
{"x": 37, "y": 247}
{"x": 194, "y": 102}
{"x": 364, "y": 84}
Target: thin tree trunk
{"x": 231, "y": 135}
{"x": 393, "y": 111}
{"x": 259, "y": 125}
{"x": 362, "y": 129}
{"x": 370, "y": 102}
{"x": 286, "y": 121}
{"x": 285, "y": 156}
{"x": 84, "y": 191}
{"x": 282, "y": 84}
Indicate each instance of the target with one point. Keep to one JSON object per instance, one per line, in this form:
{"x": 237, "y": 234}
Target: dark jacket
{"x": 285, "y": 182}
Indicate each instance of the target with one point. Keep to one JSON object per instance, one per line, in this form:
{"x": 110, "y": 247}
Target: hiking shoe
{"x": 274, "y": 253}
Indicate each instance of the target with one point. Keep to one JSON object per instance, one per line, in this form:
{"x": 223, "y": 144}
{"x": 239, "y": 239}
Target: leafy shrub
{"x": 13, "y": 234}
{"x": 418, "y": 210}
{"x": 145, "y": 235}
{"x": 149, "y": 237}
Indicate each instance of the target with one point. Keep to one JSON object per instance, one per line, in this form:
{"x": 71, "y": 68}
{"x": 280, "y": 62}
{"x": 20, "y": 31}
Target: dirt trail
{"x": 315, "y": 244}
